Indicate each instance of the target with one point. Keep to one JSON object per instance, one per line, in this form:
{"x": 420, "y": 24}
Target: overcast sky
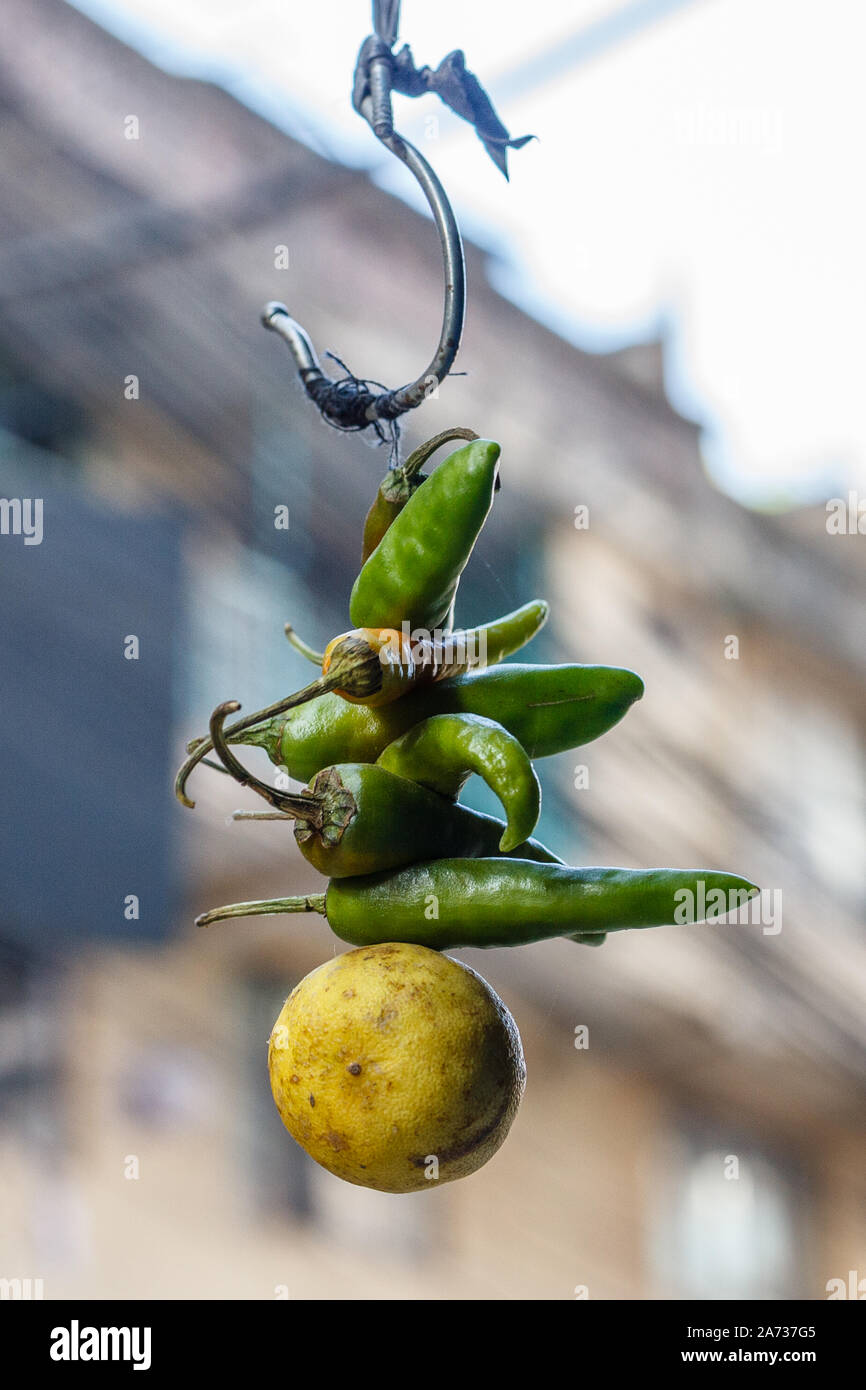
{"x": 699, "y": 172}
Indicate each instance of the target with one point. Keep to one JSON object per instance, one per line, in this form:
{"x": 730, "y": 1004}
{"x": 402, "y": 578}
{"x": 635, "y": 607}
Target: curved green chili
{"x": 443, "y": 751}
{"x": 413, "y": 573}
{"x": 302, "y": 647}
{"x": 453, "y": 903}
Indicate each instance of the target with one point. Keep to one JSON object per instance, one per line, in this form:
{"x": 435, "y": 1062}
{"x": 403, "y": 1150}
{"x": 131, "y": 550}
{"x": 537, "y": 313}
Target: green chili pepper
{"x": 413, "y": 573}
{"x": 360, "y": 668}
{"x": 547, "y": 708}
{"x": 358, "y": 818}
{"x": 506, "y": 902}
{"x": 442, "y": 752}
{"x": 399, "y": 484}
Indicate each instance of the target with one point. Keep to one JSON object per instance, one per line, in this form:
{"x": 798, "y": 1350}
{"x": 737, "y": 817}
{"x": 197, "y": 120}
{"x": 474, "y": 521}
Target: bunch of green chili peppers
{"x": 404, "y": 711}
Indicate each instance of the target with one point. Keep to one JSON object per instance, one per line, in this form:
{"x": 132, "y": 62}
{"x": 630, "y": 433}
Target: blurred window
{"x": 729, "y": 1223}
{"x": 31, "y": 1047}
{"x": 234, "y": 646}
{"x": 831, "y": 773}
{"x": 282, "y": 524}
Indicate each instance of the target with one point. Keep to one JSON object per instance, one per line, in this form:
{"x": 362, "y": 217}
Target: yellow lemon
{"x": 396, "y": 1067}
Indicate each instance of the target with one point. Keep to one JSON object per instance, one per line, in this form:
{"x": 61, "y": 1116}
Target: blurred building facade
{"x": 709, "y": 1141}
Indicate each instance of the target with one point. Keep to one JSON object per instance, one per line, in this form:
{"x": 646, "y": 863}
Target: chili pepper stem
{"x": 259, "y": 815}
{"x": 300, "y": 697}
{"x": 217, "y": 767}
{"x": 419, "y": 456}
{"x": 355, "y": 668}
{"x": 301, "y": 646}
{"x": 314, "y": 902}
{"x": 198, "y": 748}
{"x": 296, "y": 805}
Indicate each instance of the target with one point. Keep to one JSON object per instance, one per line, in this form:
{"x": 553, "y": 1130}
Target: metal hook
{"x": 349, "y": 403}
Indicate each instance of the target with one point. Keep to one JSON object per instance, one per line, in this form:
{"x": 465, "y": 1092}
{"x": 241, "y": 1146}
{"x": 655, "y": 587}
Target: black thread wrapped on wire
{"x": 351, "y": 403}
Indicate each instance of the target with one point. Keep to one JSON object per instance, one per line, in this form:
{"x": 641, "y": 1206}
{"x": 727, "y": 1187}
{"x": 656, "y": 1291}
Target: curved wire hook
{"x": 349, "y": 403}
